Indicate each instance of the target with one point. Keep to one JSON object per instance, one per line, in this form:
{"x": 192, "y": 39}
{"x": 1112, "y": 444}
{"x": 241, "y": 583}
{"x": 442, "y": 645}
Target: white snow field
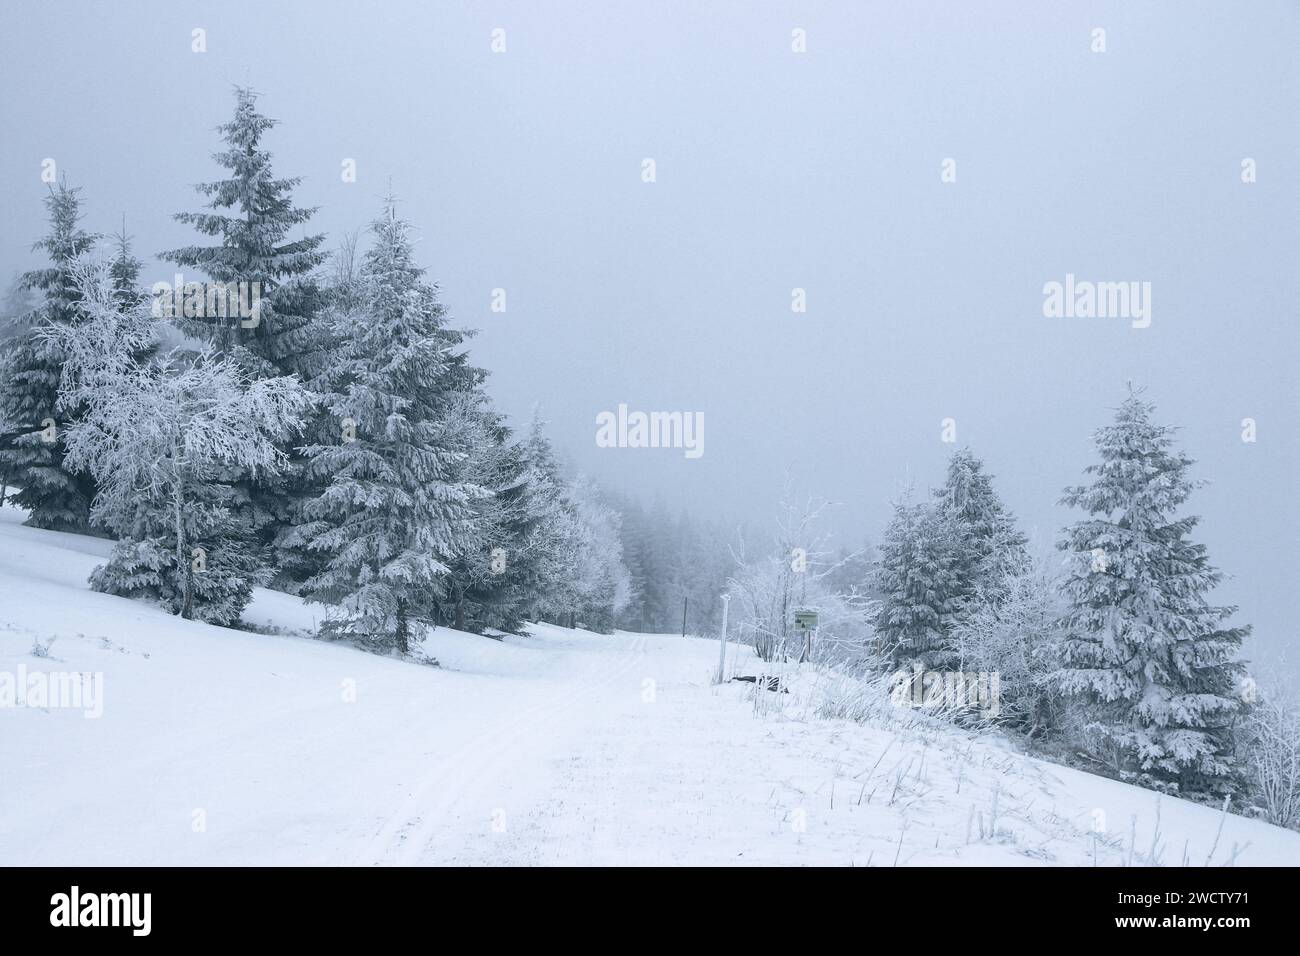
{"x": 224, "y": 747}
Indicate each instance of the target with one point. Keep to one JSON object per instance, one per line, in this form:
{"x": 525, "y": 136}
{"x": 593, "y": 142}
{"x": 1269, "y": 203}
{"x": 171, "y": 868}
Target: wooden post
{"x": 722, "y": 644}
{"x": 806, "y": 621}
{"x": 685, "y": 600}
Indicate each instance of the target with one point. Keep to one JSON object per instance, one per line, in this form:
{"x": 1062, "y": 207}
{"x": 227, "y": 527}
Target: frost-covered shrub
{"x": 799, "y": 574}
{"x": 1271, "y": 738}
{"x": 1015, "y": 638}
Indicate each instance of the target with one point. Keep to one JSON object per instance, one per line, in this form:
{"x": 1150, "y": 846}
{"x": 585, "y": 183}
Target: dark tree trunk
{"x": 403, "y": 629}
{"x": 184, "y": 569}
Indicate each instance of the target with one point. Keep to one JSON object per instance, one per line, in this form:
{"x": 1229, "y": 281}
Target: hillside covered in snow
{"x": 207, "y": 745}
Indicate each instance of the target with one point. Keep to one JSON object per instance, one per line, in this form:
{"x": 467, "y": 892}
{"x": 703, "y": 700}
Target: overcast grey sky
{"x": 775, "y": 170}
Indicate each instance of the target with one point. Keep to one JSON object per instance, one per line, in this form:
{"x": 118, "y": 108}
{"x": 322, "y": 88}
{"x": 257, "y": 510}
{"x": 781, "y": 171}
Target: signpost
{"x": 806, "y": 622}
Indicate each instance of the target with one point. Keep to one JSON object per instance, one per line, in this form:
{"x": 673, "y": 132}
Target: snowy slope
{"x": 225, "y": 747}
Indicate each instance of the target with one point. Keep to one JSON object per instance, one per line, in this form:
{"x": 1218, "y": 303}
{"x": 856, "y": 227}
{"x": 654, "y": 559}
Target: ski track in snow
{"x": 487, "y": 756}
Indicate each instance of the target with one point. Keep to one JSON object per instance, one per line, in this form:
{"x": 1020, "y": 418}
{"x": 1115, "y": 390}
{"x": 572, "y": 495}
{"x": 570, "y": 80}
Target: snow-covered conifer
{"x": 993, "y": 550}
{"x": 158, "y": 435}
{"x": 602, "y": 585}
{"x": 125, "y": 270}
{"x": 392, "y": 511}
{"x": 1150, "y": 658}
{"x": 921, "y": 586}
{"x": 33, "y": 447}
{"x": 253, "y": 215}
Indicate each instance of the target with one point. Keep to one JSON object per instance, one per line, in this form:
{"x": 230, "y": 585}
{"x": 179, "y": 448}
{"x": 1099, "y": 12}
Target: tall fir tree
{"x": 32, "y": 450}
{"x": 253, "y": 214}
{"x": 125, "y": 271}
{"x": 1153, "y": 662}
{"x": 922, "y": 592}
{"x": 392, "y": 514}
{"x": 603, "y": 585}
{"x": 993, "y": 550}
{"x": 553, "y": 536}
{"x": 18, "y": 300}
{"x": 495, "y": 578}
{"x": 637, "y": 557}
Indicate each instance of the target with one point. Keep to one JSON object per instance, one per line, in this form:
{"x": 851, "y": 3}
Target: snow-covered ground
{"x": 563, "y": 747}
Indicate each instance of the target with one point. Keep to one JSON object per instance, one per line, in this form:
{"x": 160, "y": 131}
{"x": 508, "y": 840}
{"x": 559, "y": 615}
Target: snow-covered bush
{"x": 1015, "y": 638}
{"x": 1271, "y": 738}
{"x": 796, "y": 574}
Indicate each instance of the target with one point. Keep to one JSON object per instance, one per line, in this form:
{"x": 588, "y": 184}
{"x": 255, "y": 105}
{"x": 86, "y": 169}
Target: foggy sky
{"x": 775, "y": 170}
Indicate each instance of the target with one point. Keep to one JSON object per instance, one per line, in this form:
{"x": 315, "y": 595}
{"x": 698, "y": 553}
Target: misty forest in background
{"x": 343, "y": 448}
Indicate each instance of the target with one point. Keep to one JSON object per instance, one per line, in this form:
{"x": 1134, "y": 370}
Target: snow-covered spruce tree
{"x": 687, "y": 557}
{"x": 392, "y": 512}
{"x": 492, "y": 580}
{"x": 536, "y": 550}
{"x": 993, "y": 550}
{"x": 157, "y": 433}
{"x": 1152, "y": 662}
{"x": 602, "y": 584}
{"x": 32, "y": 452}
{"x": 252, "y": 213}
{"x": 640, "y": 565}
{"x": 710, "y": 562}
{"x": 921, "y": 585}
{"x": 341, "y": 295}
{"x": 485, "y": 580}
{"x": 261, "y": 242}
{"x": 662, "y": 589}
{"x": 18, "y": 300}
{"x": 125, "y": 271}
{"x": 553, "y": 539}
{"x": 698, "y": 570}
